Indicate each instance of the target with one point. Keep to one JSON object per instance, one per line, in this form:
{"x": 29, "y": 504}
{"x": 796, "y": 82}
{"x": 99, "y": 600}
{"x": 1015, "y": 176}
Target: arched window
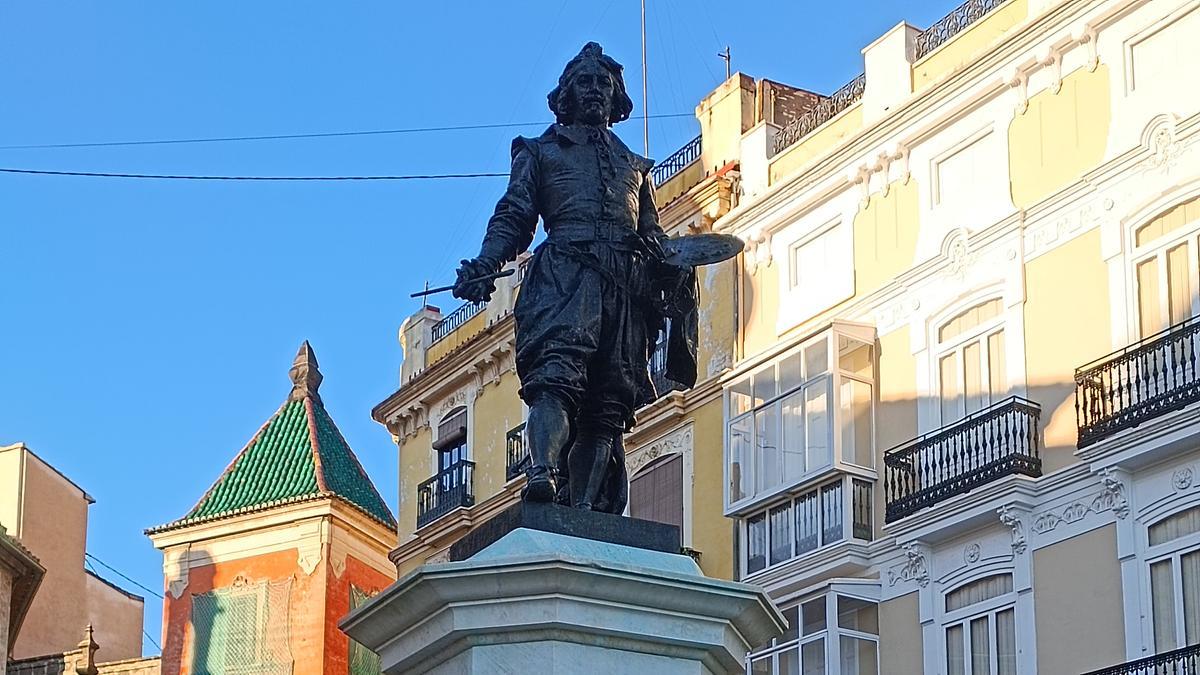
{"x": 656, "y": 491}
{"x": 1174, "y": 560}
{"x": 971, "y": 360}
{"x": 1166, "y": 269}
{"x": 451, "y": 446}
{"x": 980, "y": 625}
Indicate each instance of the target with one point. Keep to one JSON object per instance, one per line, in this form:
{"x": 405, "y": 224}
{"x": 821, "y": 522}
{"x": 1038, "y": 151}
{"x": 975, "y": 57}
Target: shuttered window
{"x": 656, "y": 492}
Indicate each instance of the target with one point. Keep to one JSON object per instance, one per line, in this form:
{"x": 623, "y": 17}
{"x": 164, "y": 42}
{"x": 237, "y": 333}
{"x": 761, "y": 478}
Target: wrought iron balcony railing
{"x": 453, "y": 320}
{"x": 516, "y": 456}
{"x": 1178, "y": 662}
{"x": 448, "y": 490}
{"x": 998, "y": 441}
{"x": 664, "y": 170}
{"x": 953, "y": 23}
{"x": 658, "y": 370}
{"x": 1138, "y": 383}
{"x": 826, "y": 109}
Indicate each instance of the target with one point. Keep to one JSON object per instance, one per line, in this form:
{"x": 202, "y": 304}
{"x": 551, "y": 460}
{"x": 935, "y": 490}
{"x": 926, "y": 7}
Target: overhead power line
{"x": 278, "y": 137}
{"x": 162, "y": 176}
{"x": 118, "y": 573}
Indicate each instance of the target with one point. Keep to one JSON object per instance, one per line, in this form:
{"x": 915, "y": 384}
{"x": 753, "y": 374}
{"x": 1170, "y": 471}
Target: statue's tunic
{"x": 582, "y": 319}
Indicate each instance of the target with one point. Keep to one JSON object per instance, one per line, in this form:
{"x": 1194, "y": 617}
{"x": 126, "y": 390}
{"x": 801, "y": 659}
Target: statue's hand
{"x": 474, "y": 291}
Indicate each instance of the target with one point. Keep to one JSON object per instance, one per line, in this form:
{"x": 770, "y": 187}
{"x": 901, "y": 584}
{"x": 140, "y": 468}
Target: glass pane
{"x": 862, "y": 505}
{"x": 956, "y": 663}
{"x": 756, "y": 536}
{"x": 973, "y": 377}
{"x": 1173, "y": 527}
{"x": 1189, "y": 570}
{"x": 948, "y": 370}
{"x": 854, "y": 357}
{"x": 739, "y": 458}
{"x": 764, "y": 384}
{"x": 831, "y": 513}
{"x": 1149, "y": 309}
{"x": 789, "y": 662}
{"x": 859, "y": 656}
{"x": 812, "y": 656}
{"x": 859, "y": 615}
{"x": 808, "y": 523}
{"x": 816, "y": 414}
{"x": 1162, "y": 604}
{"x": 761, "y": 666}
{"x": 768, "y": 461}
{"x": 739, "y": 397}
{"x": 857, "y": 430}
{"x": 792, "y": 615}
{"x": 1006, "y": 642}
{"x": 790, "y": 375}
{"x": 978, "y": 591}
{"x": 1179, "y": 285}
{"x": 816, "y": 359}
{"x": 781, "y": 533}
{"x": 981, "y": 657}
{"x": 812, "y": 616}
{"x": 793, "y": 438}
{"x": 997, "y": 373}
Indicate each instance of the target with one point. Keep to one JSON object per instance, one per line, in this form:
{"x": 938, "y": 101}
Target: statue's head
{"x": 591, "y": 90}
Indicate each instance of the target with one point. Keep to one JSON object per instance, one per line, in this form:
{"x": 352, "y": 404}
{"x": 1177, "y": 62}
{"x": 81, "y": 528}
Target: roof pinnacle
{"x": 305, "y": 374}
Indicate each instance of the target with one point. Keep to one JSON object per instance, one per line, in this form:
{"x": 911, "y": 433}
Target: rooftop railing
{"x": 452, "y": 321}
{"x": 1178, "y": 662}
{"x": 953, "y": 23}
{"x": 824, "y": 110}
{"x": 1138, "y": 383}
{"x": 997, "y": 441}
{"x": 446, "y": 491}
{"x": 664, "y": 170}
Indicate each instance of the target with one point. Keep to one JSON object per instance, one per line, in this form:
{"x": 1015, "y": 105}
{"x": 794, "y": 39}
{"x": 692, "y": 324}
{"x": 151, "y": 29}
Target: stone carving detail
{"x": 958, "y": 256}
{"x": 308, "y": 560}
{"x": 1182, "y": 478}
{"x": 1114, "y": 494}
{"x": 678, "y": 441}
{"x": 972, "y": 553}
{"x": 915, "y": 569}
{"x": 1163, "y": 143}
{"x": 1009, "y": 518}
{"x": 758, "y": 251}
{"x": 1111, "y": 498}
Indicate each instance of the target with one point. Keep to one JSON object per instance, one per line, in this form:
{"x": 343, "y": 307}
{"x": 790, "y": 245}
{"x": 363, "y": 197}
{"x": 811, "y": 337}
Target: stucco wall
{"x": 5, "y": 610}
{"x": 1078, "y": 583}
{"x": 337, "y": 605}
{"x": 900, "y": 636}
{"x": 712, "y": 533}
{"x": 116, "y": 618}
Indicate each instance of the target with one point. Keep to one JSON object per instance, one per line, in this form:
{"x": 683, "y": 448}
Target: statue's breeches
{"x": 581, "y": 330}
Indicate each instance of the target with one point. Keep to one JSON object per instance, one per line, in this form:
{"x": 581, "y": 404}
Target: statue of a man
{"x": 592, "y": 301}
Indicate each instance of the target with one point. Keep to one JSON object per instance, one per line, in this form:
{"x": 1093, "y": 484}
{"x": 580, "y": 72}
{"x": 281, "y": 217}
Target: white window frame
{"x": 798, "y": 304}
{"x": 1158, "y": 249}
{"x": 958, "y": 345}
{"x": 1172, "y": 550}
{"x": 831, "y": 634}
{"x": 965, "y": 616}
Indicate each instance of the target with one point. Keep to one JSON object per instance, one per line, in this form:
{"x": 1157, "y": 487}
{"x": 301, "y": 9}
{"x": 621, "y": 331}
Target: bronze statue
{"x": 597, "y": 293}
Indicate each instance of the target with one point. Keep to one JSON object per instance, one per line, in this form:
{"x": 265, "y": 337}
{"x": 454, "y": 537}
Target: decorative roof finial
{"x": 305, "y": 374}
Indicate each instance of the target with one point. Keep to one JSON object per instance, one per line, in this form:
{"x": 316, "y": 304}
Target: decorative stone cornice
{"x": 915, "y": 568}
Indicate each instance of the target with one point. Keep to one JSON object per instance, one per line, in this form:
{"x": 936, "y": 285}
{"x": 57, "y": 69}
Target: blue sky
{"x": 148, "y": 325}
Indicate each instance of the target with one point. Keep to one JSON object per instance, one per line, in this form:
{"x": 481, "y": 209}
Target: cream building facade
{"x": 959, "y": 422}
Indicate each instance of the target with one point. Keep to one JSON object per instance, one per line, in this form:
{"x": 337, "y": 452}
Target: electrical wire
{"x": 162, "y": 176}
{"x": 118, "y": 573}
{"x": 330, "y": 134}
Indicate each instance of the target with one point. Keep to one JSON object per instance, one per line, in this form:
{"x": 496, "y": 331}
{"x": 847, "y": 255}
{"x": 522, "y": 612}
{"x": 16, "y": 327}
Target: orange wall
{"x": 337, "y": 605}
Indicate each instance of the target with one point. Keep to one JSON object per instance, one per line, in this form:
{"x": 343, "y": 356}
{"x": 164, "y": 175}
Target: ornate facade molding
{"x": 678, "y": 441}
{"x": 915, "y": 569}
{"x": 1181, "y": 479}
{"x": 1009, "y": 518}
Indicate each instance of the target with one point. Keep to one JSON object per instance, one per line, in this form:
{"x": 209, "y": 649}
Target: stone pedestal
{"x": 536, "y": 601}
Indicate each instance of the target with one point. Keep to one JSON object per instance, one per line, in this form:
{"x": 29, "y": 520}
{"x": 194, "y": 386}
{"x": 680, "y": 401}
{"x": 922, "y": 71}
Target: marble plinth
{"x": 544, "y": 602}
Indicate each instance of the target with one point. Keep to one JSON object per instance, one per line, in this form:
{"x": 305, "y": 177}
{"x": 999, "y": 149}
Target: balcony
{"x": 952, "y": 24}
{"x": 457, "y": 318}
{"x": 1138, "y": 383}
{"x": 448, "y": 490}
{"x": 666, "y": 169}
{"x": 1180, "y": 661}
{"x": 998, "y": 441}
{"x": 516, "y": 456}
{"x": 820, "y": 113}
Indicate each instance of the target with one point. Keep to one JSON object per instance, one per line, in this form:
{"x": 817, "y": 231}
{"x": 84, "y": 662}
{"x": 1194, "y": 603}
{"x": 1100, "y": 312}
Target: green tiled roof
{"x": 298, "y": 455}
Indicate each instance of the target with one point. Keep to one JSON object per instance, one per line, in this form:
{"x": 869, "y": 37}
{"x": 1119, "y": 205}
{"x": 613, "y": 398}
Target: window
{"x": 833, "y": 634}
{"x": 792, "y": 417}
{"x": 1166, "y": 270}
{"x": 813, "y": 519}
{"x": 1174, "y": 560}
{"x": 821, "y": 272}
{"x": 361, "y": 661}
{"x": 980, "y": 628}
{"x": 656, "y": 492}
{"x": 241, "y": 630}
{"x": 971, "y": 363}
{"x": 450, "y": 447}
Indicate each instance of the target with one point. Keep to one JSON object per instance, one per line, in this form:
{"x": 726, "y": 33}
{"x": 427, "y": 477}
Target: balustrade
{"x": 448, "y": 490}
{"x": 1184, "y": 661}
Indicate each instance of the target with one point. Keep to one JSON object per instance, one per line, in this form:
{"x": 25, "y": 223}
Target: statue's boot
{"x": 589, "y": 464}
{"x": 547, "y": 431}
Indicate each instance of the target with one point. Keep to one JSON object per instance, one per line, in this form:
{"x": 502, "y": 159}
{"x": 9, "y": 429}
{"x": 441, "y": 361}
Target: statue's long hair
{"x": 560, "y": 103}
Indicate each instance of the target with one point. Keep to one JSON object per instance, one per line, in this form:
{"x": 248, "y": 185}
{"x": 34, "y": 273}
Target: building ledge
{"x": 849, "y": 558}
{"x": 1152, "y": 441}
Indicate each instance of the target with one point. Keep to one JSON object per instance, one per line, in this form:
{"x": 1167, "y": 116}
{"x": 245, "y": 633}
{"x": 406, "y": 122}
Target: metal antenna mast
{"x": 727, "y": 57}
{"x": 645, "y": 98}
